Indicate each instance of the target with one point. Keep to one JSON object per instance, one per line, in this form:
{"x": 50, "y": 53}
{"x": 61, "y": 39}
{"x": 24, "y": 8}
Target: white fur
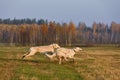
{"x": 64, "y": 53}
{"x": 41, "y": 49}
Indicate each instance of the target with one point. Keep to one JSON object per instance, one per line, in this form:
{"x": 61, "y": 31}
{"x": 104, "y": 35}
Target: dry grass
{"x": 98, "y": 63}
{"x": 93, "y": 63}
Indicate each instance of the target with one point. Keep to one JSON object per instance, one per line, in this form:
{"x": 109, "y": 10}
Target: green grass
{"x": 93, "y": 63}
{"x": 37, "y": 67}
{"x": 45, "y": 71}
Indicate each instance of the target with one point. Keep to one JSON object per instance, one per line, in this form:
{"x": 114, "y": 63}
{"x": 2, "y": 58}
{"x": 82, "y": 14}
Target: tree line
{"x": 64, "y": 34}
{"x": 23, "y": 21}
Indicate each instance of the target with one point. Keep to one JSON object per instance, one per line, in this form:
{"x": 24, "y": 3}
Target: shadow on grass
{"x": 6, "y": 59}
{"x": 28, "y": 61}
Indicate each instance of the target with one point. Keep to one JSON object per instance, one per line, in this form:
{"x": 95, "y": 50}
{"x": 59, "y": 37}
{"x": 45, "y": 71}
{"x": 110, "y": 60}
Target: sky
{"x": 88, "y": 11}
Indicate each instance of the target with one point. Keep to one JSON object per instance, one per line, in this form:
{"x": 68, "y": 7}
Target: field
{"x": 93, "y": 63}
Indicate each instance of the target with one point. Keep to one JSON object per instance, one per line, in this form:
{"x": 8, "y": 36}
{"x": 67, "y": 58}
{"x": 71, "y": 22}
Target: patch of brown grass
{"x": 99, "y": 65}
{"x": 7, "y": 70}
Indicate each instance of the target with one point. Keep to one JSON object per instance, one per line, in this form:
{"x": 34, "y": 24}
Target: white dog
{"x": 41, "y": 49}
{"x": 64, "y": 53}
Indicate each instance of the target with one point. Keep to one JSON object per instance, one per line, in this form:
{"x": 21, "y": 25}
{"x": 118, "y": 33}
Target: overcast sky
{"x": 87, "y": 11}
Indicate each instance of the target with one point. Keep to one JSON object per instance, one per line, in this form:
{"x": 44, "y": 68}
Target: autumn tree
{"x": 52, "y": 32}
{"x": 71, "y": 33}
{"x": 115, "y": 32}
{"x": 81, "y": 32}
{"x": 44, "y": 33}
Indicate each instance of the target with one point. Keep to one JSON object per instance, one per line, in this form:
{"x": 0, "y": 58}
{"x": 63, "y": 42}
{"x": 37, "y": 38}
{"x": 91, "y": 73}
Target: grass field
{"x": 93, "y": 63}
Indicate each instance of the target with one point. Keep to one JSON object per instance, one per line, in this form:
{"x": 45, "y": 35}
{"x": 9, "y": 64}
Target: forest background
{"x": 31, "y": 32}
